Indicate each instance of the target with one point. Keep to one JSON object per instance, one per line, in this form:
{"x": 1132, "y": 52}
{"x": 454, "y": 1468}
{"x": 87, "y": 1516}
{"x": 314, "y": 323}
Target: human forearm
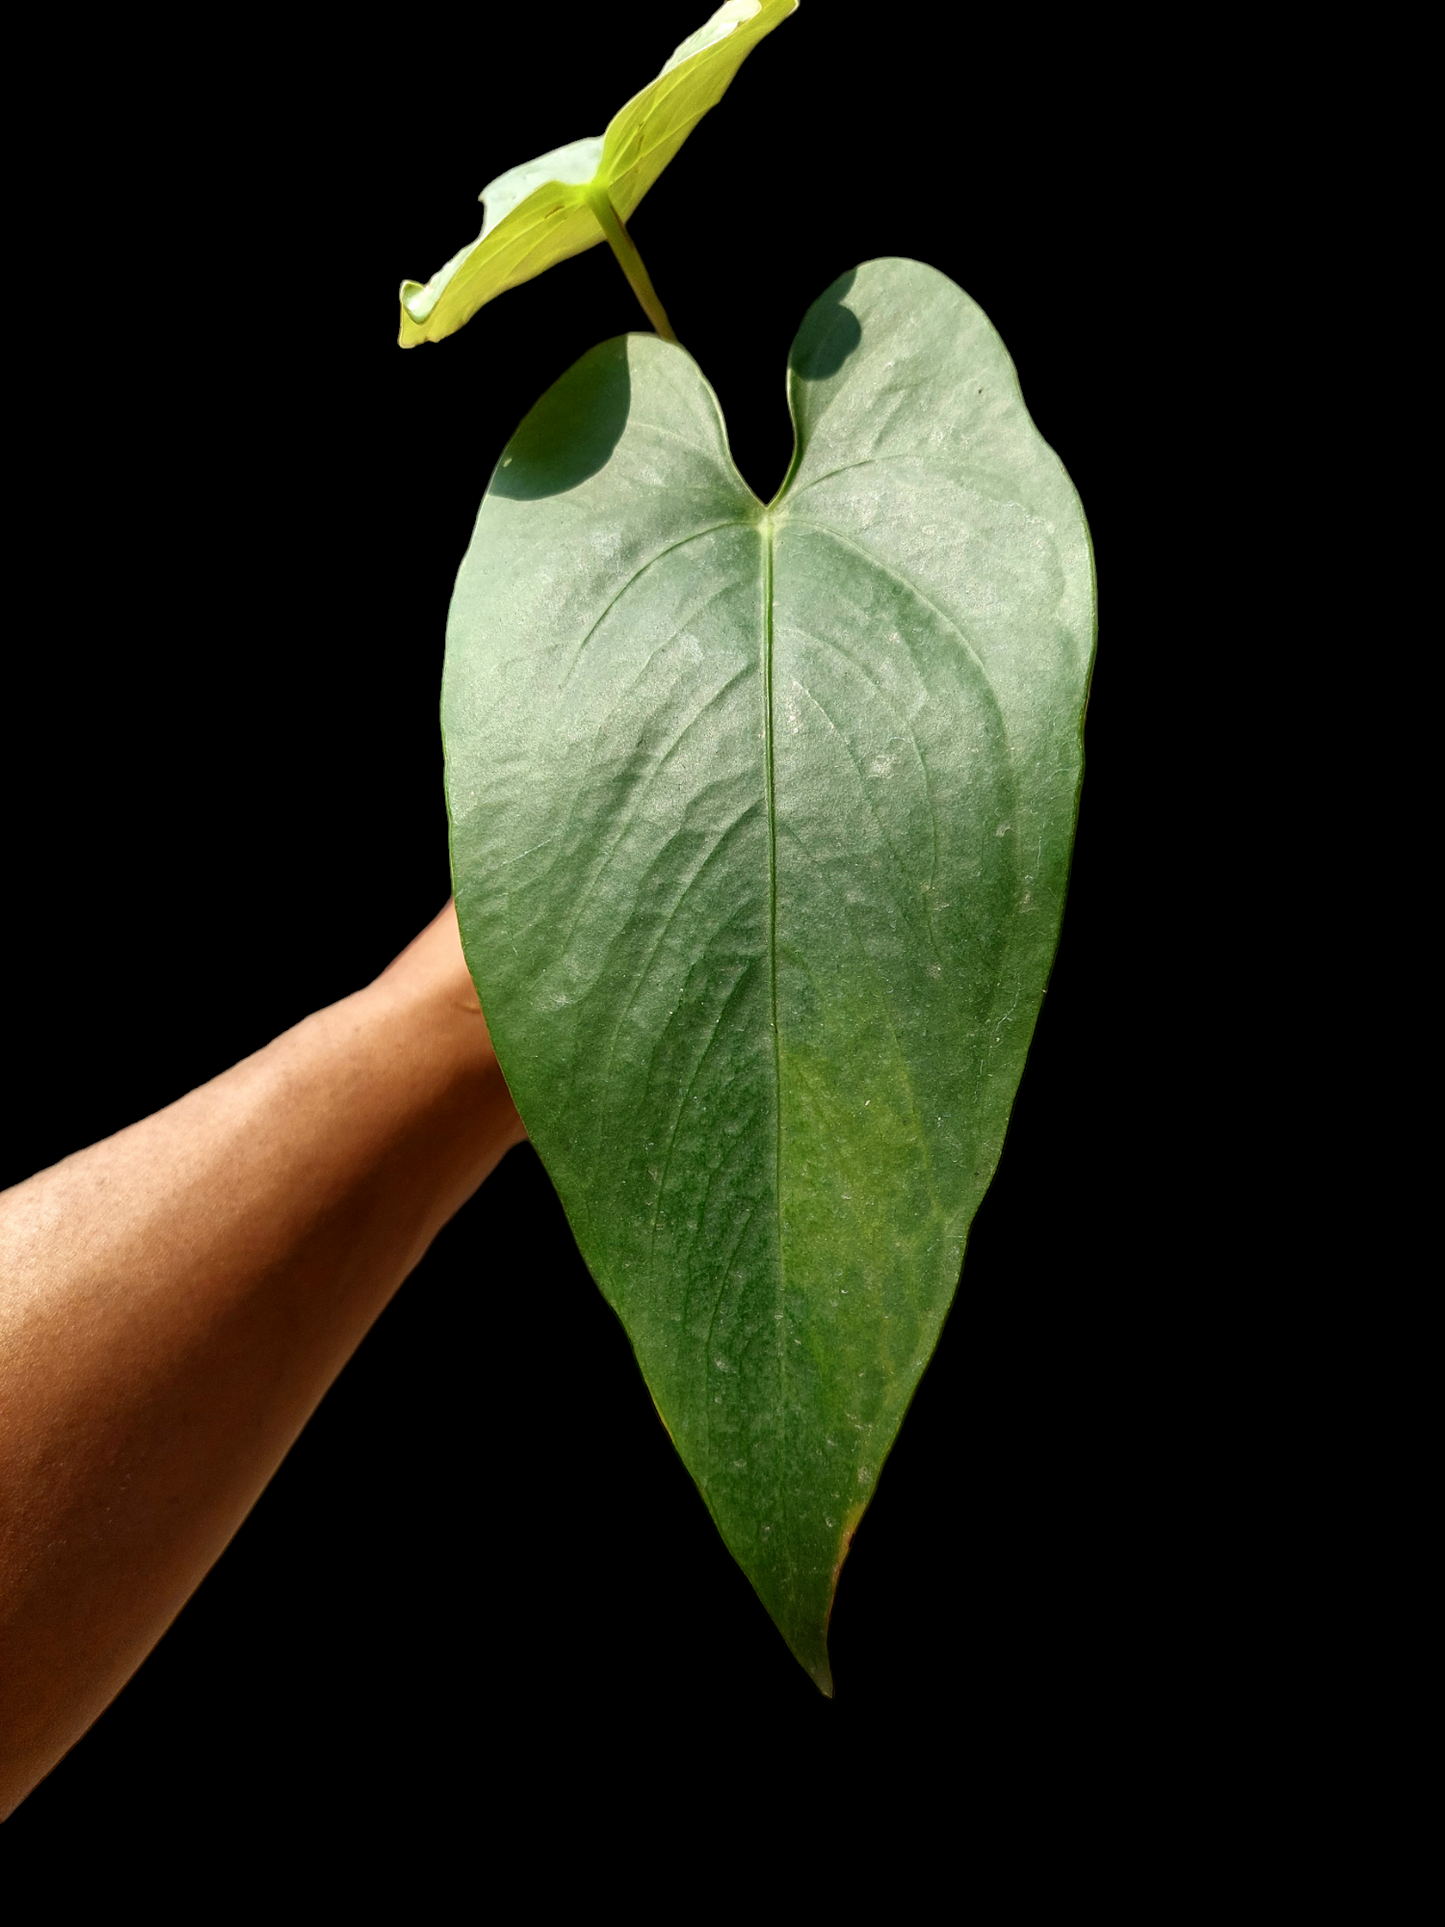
{"x": 175, "y": 1301}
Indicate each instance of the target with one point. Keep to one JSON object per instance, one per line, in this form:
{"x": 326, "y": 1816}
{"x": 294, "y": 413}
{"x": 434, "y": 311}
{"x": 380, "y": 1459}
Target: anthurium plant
{"x": 761, "y": 821}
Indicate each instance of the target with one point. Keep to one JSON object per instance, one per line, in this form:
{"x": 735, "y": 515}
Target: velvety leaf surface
{"x": 543, "y": 211}
{"x": 761, "y": 823}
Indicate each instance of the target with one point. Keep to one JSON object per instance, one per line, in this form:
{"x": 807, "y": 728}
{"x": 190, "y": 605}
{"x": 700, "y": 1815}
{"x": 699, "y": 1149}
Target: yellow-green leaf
{"x": 546, "y": 209}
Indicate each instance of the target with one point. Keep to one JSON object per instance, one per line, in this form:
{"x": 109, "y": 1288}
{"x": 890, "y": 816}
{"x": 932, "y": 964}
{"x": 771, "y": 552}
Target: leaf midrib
{"x": 765, "y": 531}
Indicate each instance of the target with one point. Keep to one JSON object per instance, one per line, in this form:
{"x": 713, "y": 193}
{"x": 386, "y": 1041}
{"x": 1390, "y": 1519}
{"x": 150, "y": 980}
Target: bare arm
{"x": 175, "y": 1301}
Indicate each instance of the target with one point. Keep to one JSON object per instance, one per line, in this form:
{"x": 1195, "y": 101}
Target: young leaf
{"x": 576, "y": 196}
{"x": 761, "y": 824}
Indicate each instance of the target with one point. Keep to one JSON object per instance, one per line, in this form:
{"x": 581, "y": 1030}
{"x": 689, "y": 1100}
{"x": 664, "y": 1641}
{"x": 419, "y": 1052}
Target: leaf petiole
{"x": 630, "y": 261}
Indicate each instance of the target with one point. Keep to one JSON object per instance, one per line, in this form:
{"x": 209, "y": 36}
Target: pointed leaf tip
{"x": 540, "y": 212}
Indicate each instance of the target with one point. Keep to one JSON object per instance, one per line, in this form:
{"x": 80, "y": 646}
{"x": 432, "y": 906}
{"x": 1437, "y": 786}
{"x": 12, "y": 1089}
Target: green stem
{"x": 630, "y": 262}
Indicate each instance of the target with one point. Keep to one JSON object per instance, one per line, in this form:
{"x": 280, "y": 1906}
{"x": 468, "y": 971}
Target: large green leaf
{"x": 557, "y": 205}
{"x": 761, "y": 823}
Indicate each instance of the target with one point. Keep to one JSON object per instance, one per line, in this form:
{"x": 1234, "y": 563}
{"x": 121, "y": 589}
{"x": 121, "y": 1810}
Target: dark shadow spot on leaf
{"x": 573, "y": 429}
{"x": 829, "y": 334}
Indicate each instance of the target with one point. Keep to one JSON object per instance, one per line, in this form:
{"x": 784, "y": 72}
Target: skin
{"x": 175, "y": 1301}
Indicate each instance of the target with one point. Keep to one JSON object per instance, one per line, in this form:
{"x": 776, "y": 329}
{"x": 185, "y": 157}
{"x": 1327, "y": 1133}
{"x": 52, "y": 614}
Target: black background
{"x": 482, "y": 1576}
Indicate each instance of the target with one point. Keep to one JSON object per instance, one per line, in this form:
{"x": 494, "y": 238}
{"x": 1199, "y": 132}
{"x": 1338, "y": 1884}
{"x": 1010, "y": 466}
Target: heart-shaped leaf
{"x": 761, "y": 824}
{"x": 575, "y": 196}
